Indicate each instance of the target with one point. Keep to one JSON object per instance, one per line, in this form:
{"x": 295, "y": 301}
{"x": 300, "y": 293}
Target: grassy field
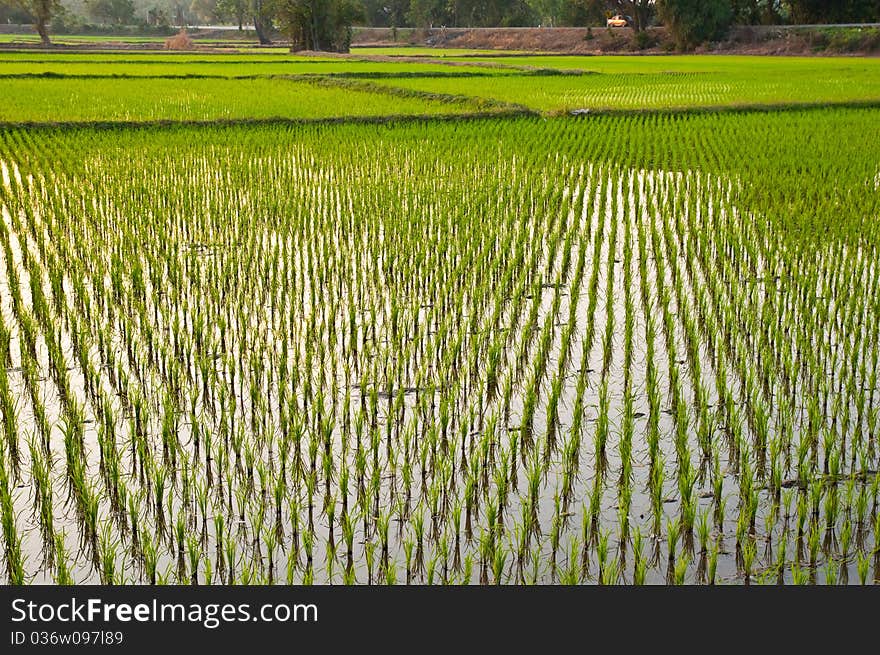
{"x": 636, "y": 347}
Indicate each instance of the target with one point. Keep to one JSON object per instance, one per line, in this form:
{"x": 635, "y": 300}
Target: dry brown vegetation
{"x": 180, "y": 41}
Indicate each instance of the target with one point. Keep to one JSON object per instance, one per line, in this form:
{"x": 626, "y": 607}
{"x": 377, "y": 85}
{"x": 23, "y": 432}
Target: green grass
{"x": 78, "y": 100}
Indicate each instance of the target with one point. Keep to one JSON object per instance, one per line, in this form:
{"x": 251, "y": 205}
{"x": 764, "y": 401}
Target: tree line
{"x": 327, "y": 24}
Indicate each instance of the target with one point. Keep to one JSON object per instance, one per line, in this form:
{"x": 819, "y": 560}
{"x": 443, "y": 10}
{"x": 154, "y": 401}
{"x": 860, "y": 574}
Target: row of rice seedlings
{"x": 299, "y": 414}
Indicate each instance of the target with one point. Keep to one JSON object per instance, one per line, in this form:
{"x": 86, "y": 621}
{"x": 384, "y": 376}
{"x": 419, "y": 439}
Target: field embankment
{"x": 754, "y": 40}
{"x": 748, "y": 40}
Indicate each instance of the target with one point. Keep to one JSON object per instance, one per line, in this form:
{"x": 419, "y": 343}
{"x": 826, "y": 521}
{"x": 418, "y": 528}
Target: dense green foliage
{"x": 833, "y": 11}
{"x": 692, "y": 22}
{"x": 112, "y": 12}
{"x": 318, "y": 24}
{"x": 40, "y": 12}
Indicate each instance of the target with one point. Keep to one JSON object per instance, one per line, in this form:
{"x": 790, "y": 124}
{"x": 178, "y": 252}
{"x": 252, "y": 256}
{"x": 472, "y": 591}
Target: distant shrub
{"x": 818, "y": 41}
{"x": 856, "y": 39}
{"x": 644, "y": 40}
{"x": 745, "y": 34}
{"x": 871, "y": 40}
{"x": 844, "y": 40}
{"x": 694, "y": 22}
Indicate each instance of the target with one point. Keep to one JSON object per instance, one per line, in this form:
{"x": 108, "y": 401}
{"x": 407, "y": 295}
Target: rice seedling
{"x": 832, "y": 572}
{"x": 799, "y": 575}
{"x": 62, "y": 575}
{"x": 609, "y": 572}
{"x": 681, "y": 568}
{"x": 673, "y": 533}
{"x": 863, "y": 565}
{"x": 749, "y": 553}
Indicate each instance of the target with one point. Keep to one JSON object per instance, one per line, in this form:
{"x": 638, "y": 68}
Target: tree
{"x": 158, "y": 17}
{"x": 13, "y": 13}
{"x": 583, "y": 12}
{"x": 115, "y": 12}
{"x": 756, "y": 12}
{"x": 490, "y": 13}
{"x": 205, "y": 11}
{"x": 41, "y": 11}
{"x": 692, "y": 22}
{"x": 425, "y": 13}
{"x": 834, "y": 11}
{"x": 180, "y": 18}
{"x": 385, "y": 13}
{"x": 236, "y": 10}
{"x": 550, "y": 12}
{"x": 261, "y": 12}
{"x": 318, "y": 24}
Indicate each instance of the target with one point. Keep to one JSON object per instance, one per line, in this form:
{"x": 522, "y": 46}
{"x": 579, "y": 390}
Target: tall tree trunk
{"x": 316, "y": 45}
{"x": 43, "y": 30}
{"x": 639, "y": 10}
{"x": 259, "y": 26}
{"x": 260, "y": 29}
{"x": 638, "y": 22}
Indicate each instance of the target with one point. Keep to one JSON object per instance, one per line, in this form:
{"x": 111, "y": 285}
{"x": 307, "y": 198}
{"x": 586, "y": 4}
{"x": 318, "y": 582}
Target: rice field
{"x": 779, "y": 66}
{"x": 227, "y": 66}
{"x": 65, "y": 87}
{"x": 627, "y": 348}
{"x": 131, "y": 100}
{"x": 673, "y": 89}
